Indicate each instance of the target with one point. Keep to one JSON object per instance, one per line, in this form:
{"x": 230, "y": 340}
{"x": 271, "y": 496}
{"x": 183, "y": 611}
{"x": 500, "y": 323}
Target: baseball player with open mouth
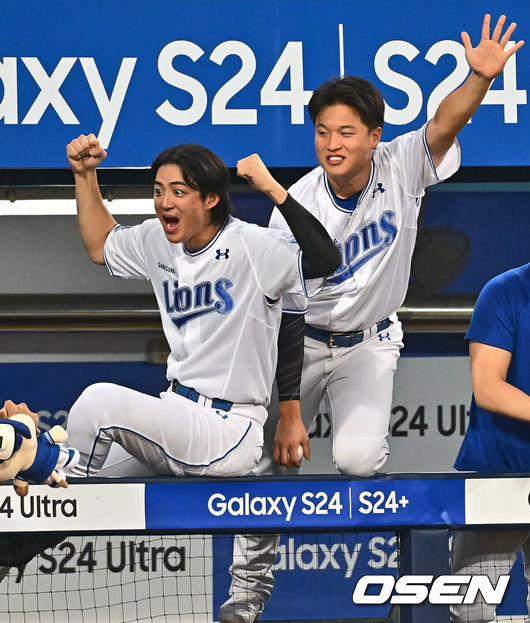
{"x": 218, "y": 282}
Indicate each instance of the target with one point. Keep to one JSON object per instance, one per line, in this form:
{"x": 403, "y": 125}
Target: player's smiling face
{"x": 184, "y": 214}
{"x": 343, "y": 145}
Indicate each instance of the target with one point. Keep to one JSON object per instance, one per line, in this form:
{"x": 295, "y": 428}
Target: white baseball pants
{"x": 489, "y": 552}
{"x": 170, "y": 435}
{"x": 357, "y": 384}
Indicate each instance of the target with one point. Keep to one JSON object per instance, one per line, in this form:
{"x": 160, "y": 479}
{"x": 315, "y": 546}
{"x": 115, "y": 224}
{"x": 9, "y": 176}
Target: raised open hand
{"x": 489, "y": 57}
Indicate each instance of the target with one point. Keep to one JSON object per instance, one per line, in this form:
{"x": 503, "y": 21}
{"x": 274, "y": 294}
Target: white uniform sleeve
{"x": 291, "y": 303}
{"x": 124, "y": 252}
{"x": 277, "y": 221}
{"x": 276, "y": 260}
{"x": 415, "y": 163}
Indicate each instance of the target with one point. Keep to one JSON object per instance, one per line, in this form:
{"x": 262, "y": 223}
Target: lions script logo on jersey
{"x": 370, "y": 240}
{"x": 185, "y": 303}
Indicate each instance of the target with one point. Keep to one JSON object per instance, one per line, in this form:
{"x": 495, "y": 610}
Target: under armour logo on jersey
{"x": 218, "y": 254}
{"x": 379, "y": 188}
{"x": 223, "y": 415}
{"x": 384, "y": 336}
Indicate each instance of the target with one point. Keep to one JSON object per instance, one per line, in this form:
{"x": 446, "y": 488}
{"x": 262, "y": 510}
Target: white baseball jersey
{"x": 376, "y": 239}
{"x": 220, "y": 306}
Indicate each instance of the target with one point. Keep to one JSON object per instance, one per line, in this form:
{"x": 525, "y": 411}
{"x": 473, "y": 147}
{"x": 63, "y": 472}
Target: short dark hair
{"x": 203, "y": 171}
{"x": 354, "y": 92}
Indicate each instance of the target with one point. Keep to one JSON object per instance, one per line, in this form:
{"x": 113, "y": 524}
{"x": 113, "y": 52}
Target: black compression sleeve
{"x": 320, "y": 255}
{"x": 290, "y": 356}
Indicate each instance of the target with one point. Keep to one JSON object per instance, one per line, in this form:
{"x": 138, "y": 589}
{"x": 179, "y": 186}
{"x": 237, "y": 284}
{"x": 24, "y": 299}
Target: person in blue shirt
{"x": 498, "y": 436}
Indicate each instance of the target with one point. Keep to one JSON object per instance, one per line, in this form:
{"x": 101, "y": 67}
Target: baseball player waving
{"x": 367, "y": 193}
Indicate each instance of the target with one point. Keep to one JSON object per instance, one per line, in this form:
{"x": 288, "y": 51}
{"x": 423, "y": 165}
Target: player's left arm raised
{"x": 486, "y": 61}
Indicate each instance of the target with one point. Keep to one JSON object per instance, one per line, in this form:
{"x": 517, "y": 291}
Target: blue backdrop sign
{"x": 237, "y": 75}
{"x": 315, "y": 574}
{"x": 241, "y": 505}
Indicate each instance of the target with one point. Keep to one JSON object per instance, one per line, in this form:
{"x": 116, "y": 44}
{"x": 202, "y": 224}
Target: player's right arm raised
{"x": 95, "y": 221}
{"x": 320, "y": 254}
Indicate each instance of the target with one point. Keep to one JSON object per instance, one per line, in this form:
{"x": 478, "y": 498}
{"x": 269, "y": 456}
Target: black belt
{"x": 192, "y": 394}
{"x": 343, "y": 339}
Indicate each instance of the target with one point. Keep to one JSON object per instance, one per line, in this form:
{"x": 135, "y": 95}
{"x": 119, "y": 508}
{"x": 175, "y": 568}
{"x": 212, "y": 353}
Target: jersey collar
{"x": 349, "y": 204}
{"x": 208, "y": 244}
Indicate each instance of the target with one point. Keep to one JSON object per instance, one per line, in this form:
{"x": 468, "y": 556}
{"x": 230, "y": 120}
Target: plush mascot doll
{"x": 26, "y": 454}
